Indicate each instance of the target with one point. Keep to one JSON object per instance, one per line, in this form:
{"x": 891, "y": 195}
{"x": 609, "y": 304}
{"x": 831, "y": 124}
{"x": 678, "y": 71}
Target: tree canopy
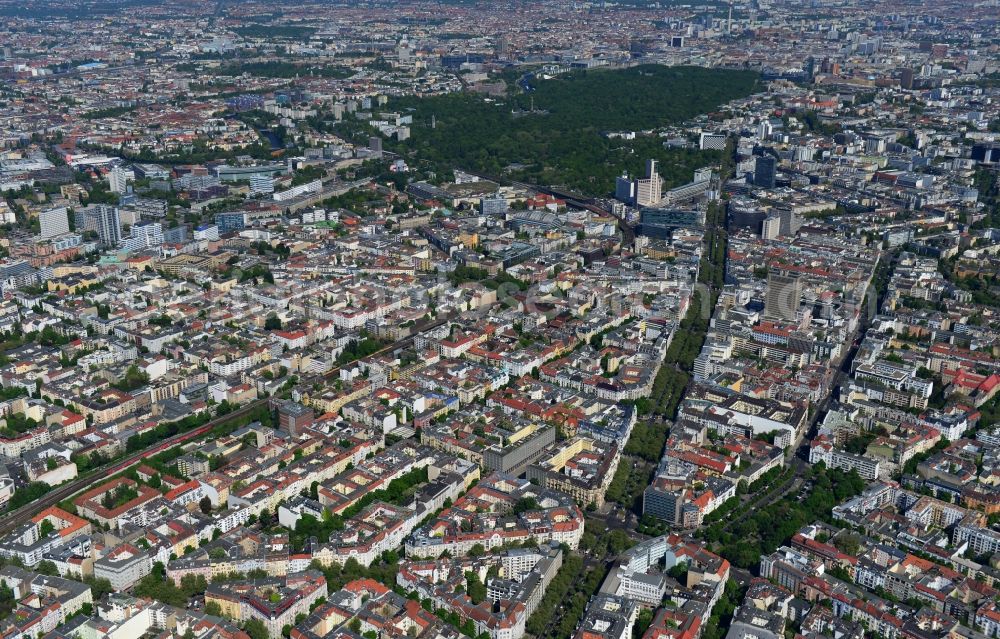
{"x": 562, "y": 142}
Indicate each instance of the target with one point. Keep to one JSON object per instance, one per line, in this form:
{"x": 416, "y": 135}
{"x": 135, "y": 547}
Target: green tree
{"x": 525, "y": 504}
{"x": 256, "y": 629}
{"x": 475, "y": 588}
{"x": 98, "y": 587}
{"x": 46, "y": 528}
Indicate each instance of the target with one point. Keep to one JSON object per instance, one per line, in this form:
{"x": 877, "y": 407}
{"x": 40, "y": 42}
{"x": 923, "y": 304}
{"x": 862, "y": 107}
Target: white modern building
{"x": 53, "y": 222}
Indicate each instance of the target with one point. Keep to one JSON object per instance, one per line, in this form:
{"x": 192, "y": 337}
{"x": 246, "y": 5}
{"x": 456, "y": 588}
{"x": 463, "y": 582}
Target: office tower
{"x": 293, "y": 417}
{"x": 744, "y": 213}
{"x": 770, "y": 228}
{"x": 148, "y": 234}
{"x": 206, "y": 232}
{"x": 791, "y": 222}
{"x": 784, "y": 294}
{"x": 118, "y": 179}
{"x": 150, "y": 208}
{"x": 109, "y": 227}
{"x": 103, "y": 220}
{"x": 986, "y": 153}
{"x": 261, "y": 184}
{"x": 660, "y": 222}
{"x": 403, "y": 51}
{"x": 493, "y": 205}
{"x": 176, "y": 235}
{"x": 765, "y": 171}
{"x": 649, "y": 190}
{"x": 906, "y": 78}
{"x": 764, "y": 130}
{"x": 712, "y": 141}
{"x": 53, "y": 222}
{"x": 16, "y": 273}
{"x": 625, "y": 189}
{"x": 229, "y": 222}
{"x": 875, "y": 145}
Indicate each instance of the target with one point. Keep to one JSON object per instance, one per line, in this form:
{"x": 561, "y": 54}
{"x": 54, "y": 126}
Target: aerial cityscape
{"x": 535, "y": 319}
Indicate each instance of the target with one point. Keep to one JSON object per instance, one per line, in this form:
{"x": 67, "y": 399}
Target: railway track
{"x": 23, "y": 514}
{"x": 574, "y": 200}
{"x": 12, "y": 520}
